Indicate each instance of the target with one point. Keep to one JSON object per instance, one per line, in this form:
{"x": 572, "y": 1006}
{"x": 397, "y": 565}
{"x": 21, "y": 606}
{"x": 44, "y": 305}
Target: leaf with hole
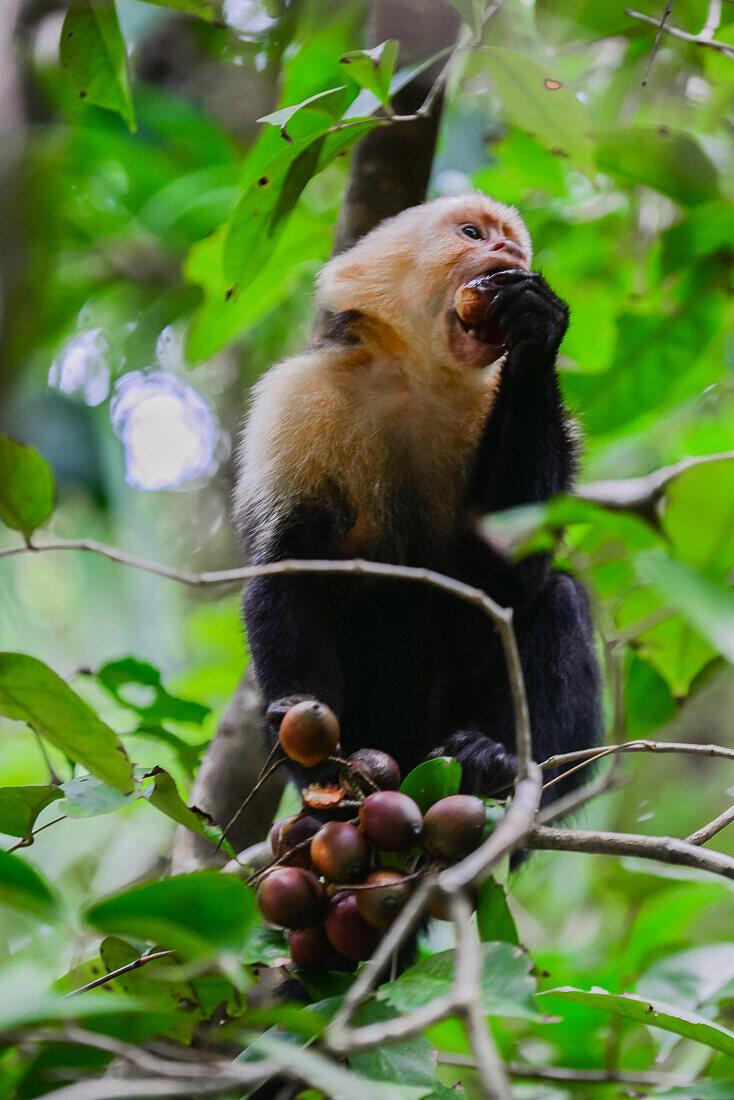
{"x": 26, "y": 487}
{"x": 31, "y": 692}
{"x": 93, "y": 57}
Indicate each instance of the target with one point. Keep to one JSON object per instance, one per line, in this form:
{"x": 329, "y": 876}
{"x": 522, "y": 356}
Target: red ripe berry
{"x": 391, "y": 820}
{"x": 348, "y": 932}
{"x": 339, "y": 852}
{"x": 377, "y": 766}
{"x": 453, "y": 827}
{"x": 309, "y": 733}
{"x": 291, "y": 897}
{"x": 288, "y": 833}
{"x": 380, "y": 905}
{"x": 311, "y": 950}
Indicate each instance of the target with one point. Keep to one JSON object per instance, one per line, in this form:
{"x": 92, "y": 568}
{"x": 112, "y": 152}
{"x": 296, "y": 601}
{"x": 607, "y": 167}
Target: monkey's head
{"x": 405, "y": 274}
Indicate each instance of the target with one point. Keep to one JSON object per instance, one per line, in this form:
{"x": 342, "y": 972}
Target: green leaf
{"x": 642, "y": 1011}
{"x": 118, "y": 677}
{"x": 432, "y": 780}
{"x": 706, "y": 233}
{"x": 263, "y": 210}
{"x": 373, "y": 69}
{"x": 195, "y": 913}
{"x": 698, "y": 517}
{"x": 332, "y": 1079}
{"x": 86, "y": 796}
{"x": 709, "y": 607}
{"x": 706, "y": 1090}
{"x": 26, "y": 487}
{"x": 648, "y": 701}
{"x": 329, "y": 103}
{"x": 92, "y": 54}
{"x": 494, "y": 919}
{"x": 165, "y": 797}
{"x": 670, "y": 161}
{"x": 471, "y": 11}
{"x": 210, "y": 10}
{"x": 20, "y": 806}
{"x": 25, "y": 998}
{"x": 538, "y": 103}
{"x": 31, "y": 692}
{"x": 22, "y": 887}
{"x": 506, "y": 985}
{"x": 411, "y": 1061}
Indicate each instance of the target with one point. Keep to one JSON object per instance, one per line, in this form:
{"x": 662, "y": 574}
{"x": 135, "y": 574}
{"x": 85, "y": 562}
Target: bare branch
{"x": 467, "y": 979}
{"x": 563, "y": 1073}
{"x": 665, "y": 849}
{"x": 706, "y": 832}
{"x": 676, "y": 32}
{"x": 640, "y": 745}
{"x": 661, "y": 25}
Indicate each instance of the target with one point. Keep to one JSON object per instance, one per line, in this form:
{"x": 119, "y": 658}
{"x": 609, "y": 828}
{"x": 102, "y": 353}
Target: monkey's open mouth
{"x": 485, "y": 332}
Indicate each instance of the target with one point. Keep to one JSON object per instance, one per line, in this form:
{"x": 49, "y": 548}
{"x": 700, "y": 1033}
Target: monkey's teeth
{"x": 472, "y": 332}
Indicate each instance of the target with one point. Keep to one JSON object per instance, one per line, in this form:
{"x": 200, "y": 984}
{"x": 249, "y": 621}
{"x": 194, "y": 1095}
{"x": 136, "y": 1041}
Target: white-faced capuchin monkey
{"x": 399, "y": 426}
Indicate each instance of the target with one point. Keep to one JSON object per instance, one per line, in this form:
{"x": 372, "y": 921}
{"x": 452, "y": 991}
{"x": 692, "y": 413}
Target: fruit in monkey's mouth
{"x": 471, "y": 303}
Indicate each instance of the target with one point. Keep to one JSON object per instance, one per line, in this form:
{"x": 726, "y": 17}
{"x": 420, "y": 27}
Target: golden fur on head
{"x": 402, "y": 410}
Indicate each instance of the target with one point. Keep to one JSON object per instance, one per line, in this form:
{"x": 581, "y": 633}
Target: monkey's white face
{"x": 406, "y": 272}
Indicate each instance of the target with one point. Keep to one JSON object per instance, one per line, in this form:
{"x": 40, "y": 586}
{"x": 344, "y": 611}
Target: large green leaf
{"x": 658, "y": 1014}
{"x": 164, "y": 795}
{"x": 432, "y": 780}
{"x": 506, "y": 985}
{"x": 494, "y": 919}
{"x": 25, "y": 998}
{"x": 709, "y": 607}
{"x": 670, "y": 161}
{"x": 540, "y": 104}
{"x": 87, "y": 796}
{"x": 22, "y": 887}
{"x": 705, "y": 1090}
{"x": 92, "y": 54}
{"x": 698, "y": 517}
{"x": 20, "y": 806}
{"x": 471, "y": 11}
{"x": 26, "y": 487}
{"x": 210, "y": 10}
{"x": 329, "y": 103}
{"x": 411, "y": 1062}
{"x": 31, "y": 692}
{"x": 330, "y": 1078}
{"x": 195, "y": 913}
{"x": 648, "y": 701}
{"x": 261, "y": 213}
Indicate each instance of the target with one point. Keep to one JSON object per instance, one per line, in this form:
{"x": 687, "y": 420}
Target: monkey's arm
{"x": 290, "y": 620}
{"x": 527, "y": 451}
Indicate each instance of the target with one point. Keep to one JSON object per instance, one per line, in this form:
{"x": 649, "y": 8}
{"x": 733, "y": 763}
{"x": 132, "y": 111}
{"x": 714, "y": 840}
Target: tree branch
{"x": 665, "y": 849}
{"x": 706, "y": 832}
{"x": 676, "y": 32}
{"x": 580, "y": 1076}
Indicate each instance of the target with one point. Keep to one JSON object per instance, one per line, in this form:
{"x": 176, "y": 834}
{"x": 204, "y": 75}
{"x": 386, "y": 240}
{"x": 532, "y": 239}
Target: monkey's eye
{"x": 472, "y": 231}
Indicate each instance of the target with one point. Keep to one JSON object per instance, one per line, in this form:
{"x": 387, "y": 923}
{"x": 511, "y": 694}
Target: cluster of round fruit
{"x": 328, "y": 884}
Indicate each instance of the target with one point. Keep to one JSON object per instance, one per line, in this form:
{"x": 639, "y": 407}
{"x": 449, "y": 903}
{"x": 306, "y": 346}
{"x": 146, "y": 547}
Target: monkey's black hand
{"x": 530, "y": 317}
{"x": 277, "y": 710}
{"x": 487, "y": 768}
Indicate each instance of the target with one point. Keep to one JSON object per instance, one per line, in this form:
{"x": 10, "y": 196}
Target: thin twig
{"x": 563, "y": 1073}
{"x": 654, "y": 50}
{"x": 639, "y": 745}
{"x": 262, "y": 778}
{"x": 642, "y": 494}
{"x": 706, "y": 832}
{"x": 676, "y": 32}
{"x": 134, "y": 965}
{"x": 664, "y": 849}
{"x": 467, "y": 985}
{"x": 25, "y": 841}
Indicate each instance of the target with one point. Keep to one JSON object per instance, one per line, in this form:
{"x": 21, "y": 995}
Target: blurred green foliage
{"x": 160, "y": 254}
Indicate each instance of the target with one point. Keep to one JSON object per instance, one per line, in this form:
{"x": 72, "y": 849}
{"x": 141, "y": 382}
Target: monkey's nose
{"x": 497, "y": 246}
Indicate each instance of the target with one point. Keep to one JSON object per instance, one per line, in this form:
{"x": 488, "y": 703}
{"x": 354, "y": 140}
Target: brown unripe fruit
{"x": 339, "y": 852}
{"x": 348, "y": 932}
{"x": 453, "y": 827}
{"x": 309, "y": 733}
{"x": 381, "y": 905}
{"x": 439, "y": 907}
{"x": 377, "y": 766}
{"x": 310, "y": 949}
{"x": 291, "y": 897}
{"x": 288, "y": 833}
{"x": 391, "y": 820}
